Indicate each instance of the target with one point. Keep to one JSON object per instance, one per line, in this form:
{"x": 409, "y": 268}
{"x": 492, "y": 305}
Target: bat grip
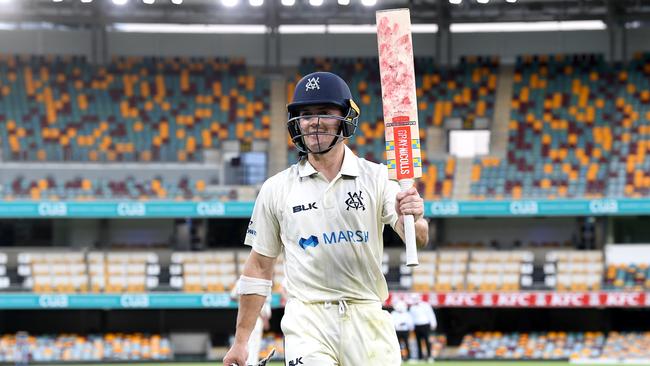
{"x": 409, "y": 230}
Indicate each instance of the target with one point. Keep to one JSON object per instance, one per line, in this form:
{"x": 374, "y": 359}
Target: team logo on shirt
{"x": 355, "y": 201}
{"x": 312, "y": 241}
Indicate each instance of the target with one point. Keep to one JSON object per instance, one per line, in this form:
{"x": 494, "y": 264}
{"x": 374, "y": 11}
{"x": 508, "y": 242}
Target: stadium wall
{"x": 46, "y": 42}
{"x": 295, "y": 46}
{"x": 526, "y": 230}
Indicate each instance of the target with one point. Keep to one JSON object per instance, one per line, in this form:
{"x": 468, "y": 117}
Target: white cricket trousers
{"x": 255, "y": 342}
{"x": 339, "y": 334}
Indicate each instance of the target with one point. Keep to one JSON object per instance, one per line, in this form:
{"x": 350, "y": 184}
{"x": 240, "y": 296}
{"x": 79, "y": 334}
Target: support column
{"x": 278, "y": 137}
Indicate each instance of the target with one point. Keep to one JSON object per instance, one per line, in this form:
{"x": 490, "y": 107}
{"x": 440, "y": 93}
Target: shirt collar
{"x": 350, "y": 166}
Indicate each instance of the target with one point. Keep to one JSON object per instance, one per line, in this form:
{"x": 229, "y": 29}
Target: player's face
{"x": 319, "y": 130}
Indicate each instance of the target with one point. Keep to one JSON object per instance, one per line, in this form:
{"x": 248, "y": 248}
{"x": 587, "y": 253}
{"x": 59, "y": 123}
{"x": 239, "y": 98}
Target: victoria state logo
{"x": 312, "y": 84}
{"x": 355, "y": 201}
{"x": 312, "y": 241}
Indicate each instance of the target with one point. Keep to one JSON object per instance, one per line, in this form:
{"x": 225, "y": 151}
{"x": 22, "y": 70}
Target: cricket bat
{"x": 397, "y": 73}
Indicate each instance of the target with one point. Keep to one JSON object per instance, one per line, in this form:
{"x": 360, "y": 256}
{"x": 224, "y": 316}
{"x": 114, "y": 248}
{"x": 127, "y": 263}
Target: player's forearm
{"x": 257, "y": 266}
{"x": 421, "y": 232}
{"x": 249, "y": 309}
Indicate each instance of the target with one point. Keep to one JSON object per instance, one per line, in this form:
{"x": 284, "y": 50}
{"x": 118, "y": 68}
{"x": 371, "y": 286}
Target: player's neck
{"x": 328, "y": 164}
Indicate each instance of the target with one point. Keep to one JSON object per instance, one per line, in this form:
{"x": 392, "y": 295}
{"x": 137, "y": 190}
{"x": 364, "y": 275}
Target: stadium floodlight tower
{"x": 256, "y": 3}
{"x": 315, "y": 2}
{"x": 344, "y": 2}
{"x": 229, "y": 3}
{"x": 288, "y": 2}
{"x": 369, "y": 2}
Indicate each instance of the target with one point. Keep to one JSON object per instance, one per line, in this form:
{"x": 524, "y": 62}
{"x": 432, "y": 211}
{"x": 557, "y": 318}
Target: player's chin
{"x": 318, "y": 146}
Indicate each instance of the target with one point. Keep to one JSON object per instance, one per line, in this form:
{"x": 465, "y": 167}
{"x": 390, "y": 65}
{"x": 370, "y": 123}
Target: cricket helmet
{"x": 322, "y": 88}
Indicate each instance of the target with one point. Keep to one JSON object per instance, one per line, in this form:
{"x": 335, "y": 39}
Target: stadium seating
{"x": 422, "y": 276}
{"x": 438, "y": 343}
{"x": 130, "y": 271}
{"x": 213, "y": 271}
{"x": 4, "y": 279}
{"x": 522, "y": 346}
{"x": 499, "y": 270}
{"x": 574, "y": 270}
{"x": 627, "y": 277}
{"x": 577, "y": 129}
{"x": 83, "y": 189}
{"x": 478, "y": 270}
{"x": 465, "y": 91}
{"x": 44, "y": 272}
{"x": 441, "y": 271}
{"x": 627, "y": 346}
{"x": 72, "y": 347}
{"x": 74, "y": 271}
{"x": 133, "y": 109}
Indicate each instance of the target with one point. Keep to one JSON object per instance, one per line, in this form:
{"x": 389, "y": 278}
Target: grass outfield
{"x": 439, "y": 363}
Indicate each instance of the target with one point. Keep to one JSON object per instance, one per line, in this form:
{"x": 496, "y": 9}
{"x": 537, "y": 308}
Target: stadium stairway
{"x": 499, "y": 135}
{"x": 462, "y": 180}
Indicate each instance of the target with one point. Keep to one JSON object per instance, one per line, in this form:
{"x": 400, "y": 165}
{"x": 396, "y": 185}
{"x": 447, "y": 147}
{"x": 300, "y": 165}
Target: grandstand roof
{"x": 75, "y": 13}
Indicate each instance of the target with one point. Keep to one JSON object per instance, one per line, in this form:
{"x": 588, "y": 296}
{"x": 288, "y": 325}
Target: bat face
{"x": 398, "y": 94}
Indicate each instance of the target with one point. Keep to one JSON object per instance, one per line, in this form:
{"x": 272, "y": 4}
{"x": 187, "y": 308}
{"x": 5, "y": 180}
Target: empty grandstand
{"x": 135, "y": 136}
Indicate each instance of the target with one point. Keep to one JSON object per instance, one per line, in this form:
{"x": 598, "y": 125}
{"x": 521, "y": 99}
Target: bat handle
{"x": 409, "y": 230}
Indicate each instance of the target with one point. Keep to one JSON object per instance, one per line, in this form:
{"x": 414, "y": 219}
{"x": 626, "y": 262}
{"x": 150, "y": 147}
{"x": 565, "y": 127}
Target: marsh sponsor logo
{"x": 445, "y": 208}
{"x": 524, "y": 208}
{"x": 346, "y": 236}
{"x": 52, "y": 209}
{"x": 210, "y": 209}
{"x": 134, "y": 301}
{"x": 131, "y": 209}
{"x": 335, "y": 237}
{"x": 603, "y": 206}
{"x": 215, "y": 301}
{"x": 311, "y": 241}
{"x": 53, "y": 301}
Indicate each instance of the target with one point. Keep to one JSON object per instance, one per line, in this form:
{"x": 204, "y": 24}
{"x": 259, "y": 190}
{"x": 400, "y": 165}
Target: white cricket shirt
{"x": 331, "y": 232}
{"x": 422, "y": 314}
{"x": 402, "y": 321}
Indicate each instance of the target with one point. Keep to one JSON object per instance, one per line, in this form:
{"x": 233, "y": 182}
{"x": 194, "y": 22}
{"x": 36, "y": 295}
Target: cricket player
{"x": 327, "y": 212}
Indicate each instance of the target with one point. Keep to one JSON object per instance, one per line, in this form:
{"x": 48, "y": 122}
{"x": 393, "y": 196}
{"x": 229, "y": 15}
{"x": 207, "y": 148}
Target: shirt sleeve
{"x": 263, "y": 233}
{"x": 389, "y": 191}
